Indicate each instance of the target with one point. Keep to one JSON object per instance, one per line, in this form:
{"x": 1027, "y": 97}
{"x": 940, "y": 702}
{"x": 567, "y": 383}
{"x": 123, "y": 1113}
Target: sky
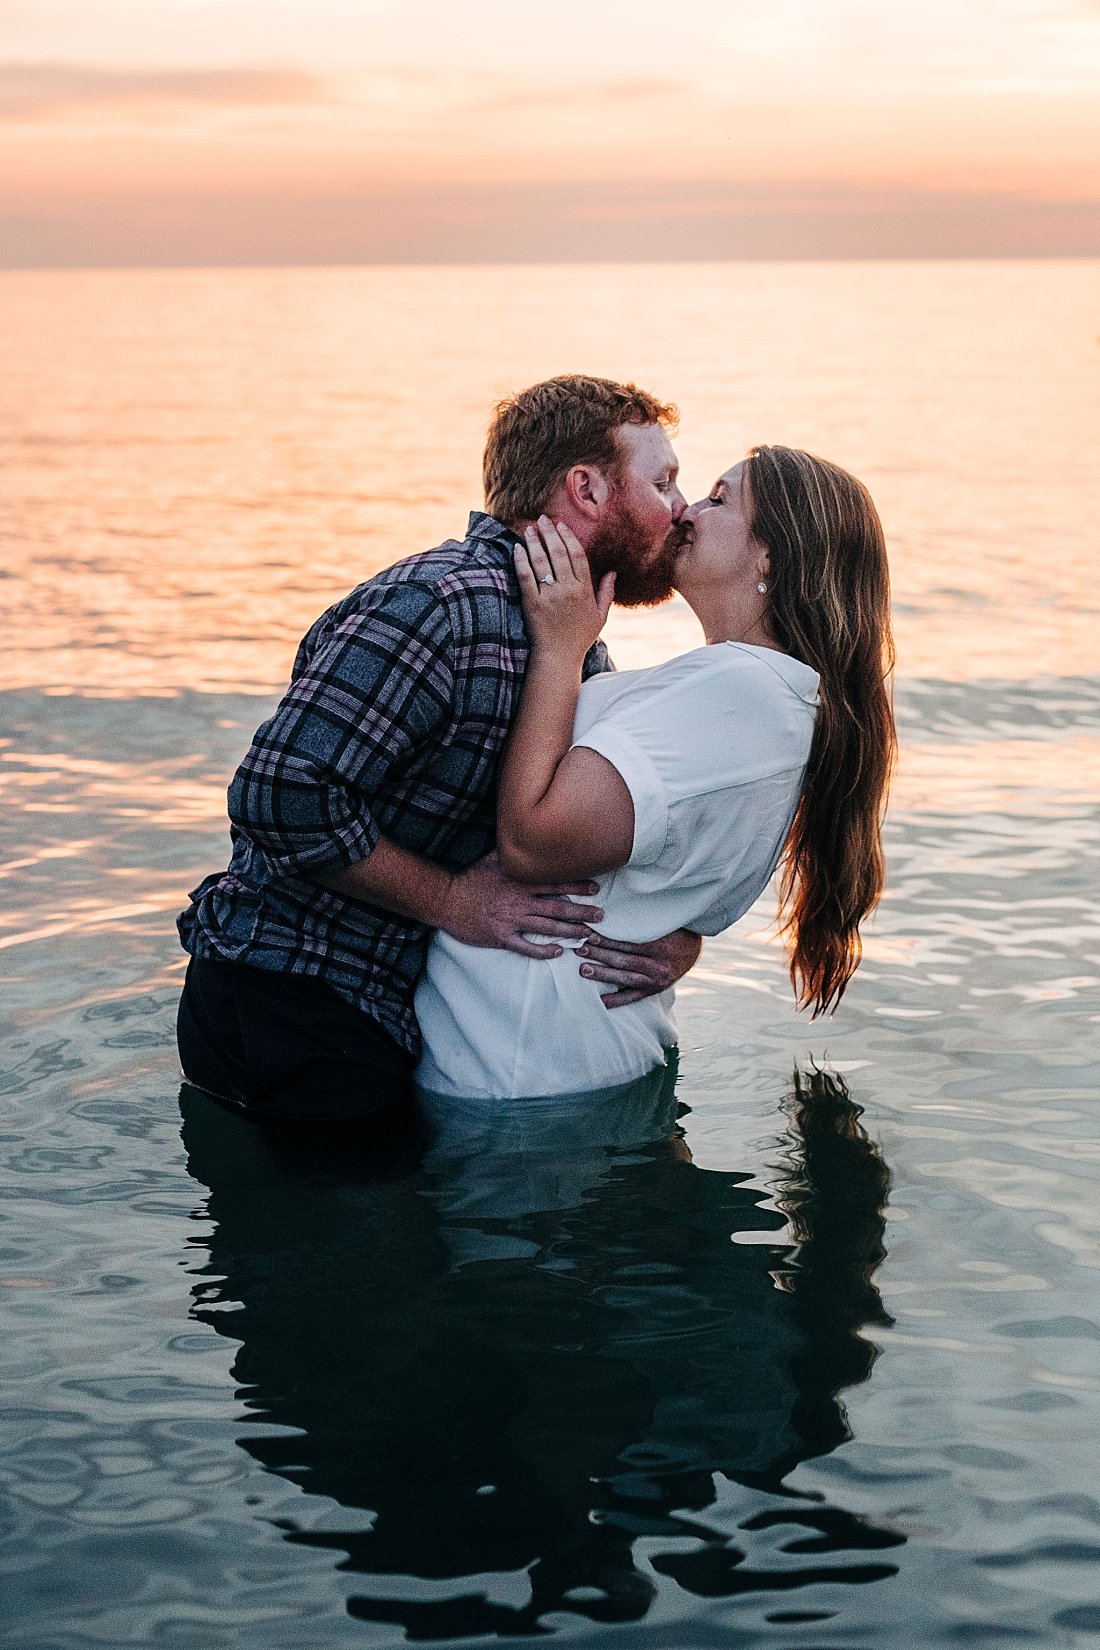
{"x": 360, "y": 131}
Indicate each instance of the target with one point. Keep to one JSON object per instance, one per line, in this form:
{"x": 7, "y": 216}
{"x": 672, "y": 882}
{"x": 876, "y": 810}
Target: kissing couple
{"x": 461, "y": 821}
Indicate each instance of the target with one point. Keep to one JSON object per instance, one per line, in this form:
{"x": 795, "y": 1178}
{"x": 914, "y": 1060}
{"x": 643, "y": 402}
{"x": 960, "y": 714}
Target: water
{"x": 259, "y": 1399}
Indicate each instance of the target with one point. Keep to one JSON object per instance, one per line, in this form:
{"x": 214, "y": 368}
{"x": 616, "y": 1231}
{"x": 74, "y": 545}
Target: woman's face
{"x": 721, "y": 547}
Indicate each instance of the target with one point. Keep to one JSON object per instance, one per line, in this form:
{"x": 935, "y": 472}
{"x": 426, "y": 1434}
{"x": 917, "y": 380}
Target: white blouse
{"x": 712, "y": 747}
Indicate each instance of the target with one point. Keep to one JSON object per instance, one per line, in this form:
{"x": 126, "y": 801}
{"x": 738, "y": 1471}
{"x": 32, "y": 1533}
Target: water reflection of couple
{"x": 365, "y": 809}
{"x": 540, "y": 1345}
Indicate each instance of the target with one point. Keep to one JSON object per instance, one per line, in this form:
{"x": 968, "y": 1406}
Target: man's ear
{"x": 587, "y": 490}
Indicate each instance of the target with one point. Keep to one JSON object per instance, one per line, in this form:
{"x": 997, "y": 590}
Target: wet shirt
{"x": 394, "y": 723}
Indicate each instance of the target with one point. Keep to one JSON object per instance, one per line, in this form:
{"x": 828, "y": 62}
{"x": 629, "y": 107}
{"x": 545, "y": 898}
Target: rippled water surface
{"x": 718, "y": 1364}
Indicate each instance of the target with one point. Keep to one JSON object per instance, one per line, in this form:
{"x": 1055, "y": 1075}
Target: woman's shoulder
{"x": 769, "y": 664}
{"x": 741, "y": 666}
{"x": 719, "y": 716}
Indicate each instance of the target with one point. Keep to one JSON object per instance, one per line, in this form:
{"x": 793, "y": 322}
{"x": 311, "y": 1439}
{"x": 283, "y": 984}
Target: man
{"x": 363, "y": 814}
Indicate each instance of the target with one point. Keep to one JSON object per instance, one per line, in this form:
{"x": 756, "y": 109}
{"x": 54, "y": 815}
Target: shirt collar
{"x": 488, "y": 530}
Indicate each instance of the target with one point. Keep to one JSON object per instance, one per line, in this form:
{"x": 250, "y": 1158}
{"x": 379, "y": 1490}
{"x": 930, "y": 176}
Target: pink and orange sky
{"x": 359, "y": 131}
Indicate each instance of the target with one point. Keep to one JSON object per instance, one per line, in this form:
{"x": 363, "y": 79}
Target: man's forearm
{"x": 480, "y": 905}
{"x": 397, "y": 881}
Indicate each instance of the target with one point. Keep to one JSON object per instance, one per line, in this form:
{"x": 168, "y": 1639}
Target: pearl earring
{"x": 762, "y": 587}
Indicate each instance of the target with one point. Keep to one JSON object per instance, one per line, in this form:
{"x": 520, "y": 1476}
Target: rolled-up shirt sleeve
{"x": 647, "y": 790}
{"x": 375, "y": 688}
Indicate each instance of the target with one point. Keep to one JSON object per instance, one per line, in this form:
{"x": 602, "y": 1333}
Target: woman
{"x": 683, "y": 787}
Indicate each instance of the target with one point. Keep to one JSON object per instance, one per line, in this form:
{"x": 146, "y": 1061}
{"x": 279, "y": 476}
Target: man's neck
{"x": 579, "y": 526}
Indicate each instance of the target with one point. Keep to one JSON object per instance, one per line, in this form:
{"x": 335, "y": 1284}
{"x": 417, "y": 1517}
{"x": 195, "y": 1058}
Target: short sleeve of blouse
{"x": 647, "y": 789}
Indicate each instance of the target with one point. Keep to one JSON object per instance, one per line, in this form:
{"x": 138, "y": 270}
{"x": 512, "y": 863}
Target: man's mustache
{"x": 680, "y": 534}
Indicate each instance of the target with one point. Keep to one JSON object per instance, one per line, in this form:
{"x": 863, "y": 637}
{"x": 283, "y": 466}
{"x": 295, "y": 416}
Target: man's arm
{"x": 376, "y": 690}
{"x": 480, "y": 906}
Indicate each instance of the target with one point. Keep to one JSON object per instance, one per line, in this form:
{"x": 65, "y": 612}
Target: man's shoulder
{"x": 452, "y": 573}
{"x": 461, "y": 587}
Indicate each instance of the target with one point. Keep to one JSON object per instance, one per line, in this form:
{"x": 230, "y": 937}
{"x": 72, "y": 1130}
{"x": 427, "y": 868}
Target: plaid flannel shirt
{"x": 399, "y": 704}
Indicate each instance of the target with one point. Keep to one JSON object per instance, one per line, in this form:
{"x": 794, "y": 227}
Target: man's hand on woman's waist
{"x": 486, "y": 908}
{"x": 480, "y": 906}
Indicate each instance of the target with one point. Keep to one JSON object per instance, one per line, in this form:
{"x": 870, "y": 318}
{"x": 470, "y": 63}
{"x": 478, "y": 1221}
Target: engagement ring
{"x": 548, "y": 578}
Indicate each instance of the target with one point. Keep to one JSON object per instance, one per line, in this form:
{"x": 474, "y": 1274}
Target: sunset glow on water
{"x": 197, "y": 462}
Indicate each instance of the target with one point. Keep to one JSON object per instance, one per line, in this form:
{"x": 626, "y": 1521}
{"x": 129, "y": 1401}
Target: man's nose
{"x": 679, "y": 505}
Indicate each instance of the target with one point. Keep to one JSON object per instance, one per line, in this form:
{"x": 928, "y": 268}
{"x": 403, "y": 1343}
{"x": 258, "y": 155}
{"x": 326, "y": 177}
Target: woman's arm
{"x": 561, "y": 813}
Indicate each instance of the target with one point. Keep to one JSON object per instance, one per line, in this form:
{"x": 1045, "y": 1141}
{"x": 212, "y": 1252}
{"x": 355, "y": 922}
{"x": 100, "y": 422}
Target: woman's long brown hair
{"x": 829, "y": 605}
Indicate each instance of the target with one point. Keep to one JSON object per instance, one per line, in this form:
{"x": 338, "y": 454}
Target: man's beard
{"x": 643, "y": 575}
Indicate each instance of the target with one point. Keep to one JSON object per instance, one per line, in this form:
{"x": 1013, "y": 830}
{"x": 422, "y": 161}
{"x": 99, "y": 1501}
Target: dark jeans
{"x": 285, "y": 1046}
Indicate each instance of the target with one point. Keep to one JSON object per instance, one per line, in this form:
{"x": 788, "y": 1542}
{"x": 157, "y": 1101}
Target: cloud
{"x": 678, "y": 220}
{"x": 641, "y": 90}
{"x": 29, "y": 91}
{"x": 537, "y": 98}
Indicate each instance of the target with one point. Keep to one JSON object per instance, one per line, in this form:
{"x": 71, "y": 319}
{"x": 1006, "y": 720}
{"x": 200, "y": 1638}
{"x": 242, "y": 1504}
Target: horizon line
{"x": 550, "y": 263}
